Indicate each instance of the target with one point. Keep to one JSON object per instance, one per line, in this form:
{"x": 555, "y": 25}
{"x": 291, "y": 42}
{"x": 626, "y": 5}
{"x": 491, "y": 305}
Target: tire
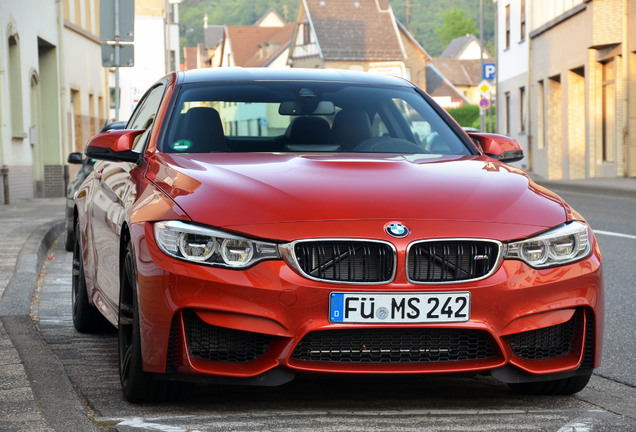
{"x": 137, "y": 385}
{"x": 86, "y": 317}
{"x": 69, "y": 243}
{"x": 565, "y": 386}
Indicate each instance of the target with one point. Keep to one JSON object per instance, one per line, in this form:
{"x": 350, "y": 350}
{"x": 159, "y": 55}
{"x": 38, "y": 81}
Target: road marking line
{"x": 157, "y": 420}
{"x": 140, "y": 423}
{"x": 581, "y": 425}
{"x": 614, "y": 234}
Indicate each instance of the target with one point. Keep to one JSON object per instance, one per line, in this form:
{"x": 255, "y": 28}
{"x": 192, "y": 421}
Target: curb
{"x": 54, "y": 394}
{"x": 17, "y": 295}
{"x": 615, "y": 192}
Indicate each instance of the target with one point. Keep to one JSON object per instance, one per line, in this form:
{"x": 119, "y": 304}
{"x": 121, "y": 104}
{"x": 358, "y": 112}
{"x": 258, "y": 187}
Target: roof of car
{"x": 291, "y": 74}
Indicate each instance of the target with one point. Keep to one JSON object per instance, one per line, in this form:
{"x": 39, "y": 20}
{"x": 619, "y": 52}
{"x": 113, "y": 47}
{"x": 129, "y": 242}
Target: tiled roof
{"x": 213, "y": 35}
{"x": 459, "y": 72}
{"x": 355, "y": 29}
{"x": 438, "y": 86}
{"x": 247, "y": 41}
{"x": 410, "y": 37}
{"x": 456, "y": 47}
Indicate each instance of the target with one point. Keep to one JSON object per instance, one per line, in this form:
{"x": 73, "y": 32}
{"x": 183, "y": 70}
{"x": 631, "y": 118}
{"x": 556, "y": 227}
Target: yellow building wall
{"x": 606, "y": 26}
{"x": 415, "y": 62}
{"x": 576, "y": 124}
{"x": 631, "y": 137}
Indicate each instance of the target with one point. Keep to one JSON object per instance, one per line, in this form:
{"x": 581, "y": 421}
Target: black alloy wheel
{"x": 137, "y": 385}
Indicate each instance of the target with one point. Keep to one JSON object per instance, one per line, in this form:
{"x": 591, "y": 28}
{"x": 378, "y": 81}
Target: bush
{"x": 468, "y": 116}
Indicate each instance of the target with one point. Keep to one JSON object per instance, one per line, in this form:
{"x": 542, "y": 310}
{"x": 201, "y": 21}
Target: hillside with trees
{"x": 426, "y": 18}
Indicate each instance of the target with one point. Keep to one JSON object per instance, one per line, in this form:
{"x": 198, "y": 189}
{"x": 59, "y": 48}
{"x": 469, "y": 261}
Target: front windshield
{"x": 306, "y": 117}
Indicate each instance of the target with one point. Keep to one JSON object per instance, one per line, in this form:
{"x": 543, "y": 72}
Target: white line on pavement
{"x": 613, "y": 234}
{"x": 581, "y": 425}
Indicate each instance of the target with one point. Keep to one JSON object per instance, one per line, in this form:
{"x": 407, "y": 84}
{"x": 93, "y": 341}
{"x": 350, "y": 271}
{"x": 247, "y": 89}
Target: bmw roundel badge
{"x": 396, "y": 229}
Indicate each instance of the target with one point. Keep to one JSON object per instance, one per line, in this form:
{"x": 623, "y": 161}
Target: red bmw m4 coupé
{"x": 249, "y": 225}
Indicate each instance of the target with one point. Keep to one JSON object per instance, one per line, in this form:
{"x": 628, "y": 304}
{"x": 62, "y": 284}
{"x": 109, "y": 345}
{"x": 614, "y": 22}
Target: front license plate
{"x": 399, "y": 307}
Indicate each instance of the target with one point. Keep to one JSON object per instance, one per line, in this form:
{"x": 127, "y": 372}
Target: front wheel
{"x": 137, "y": 385}
{"x": 565, "y": 386}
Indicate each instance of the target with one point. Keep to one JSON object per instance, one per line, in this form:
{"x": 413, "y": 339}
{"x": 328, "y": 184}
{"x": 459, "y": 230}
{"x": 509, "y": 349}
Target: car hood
{"x": 229, "y": 190}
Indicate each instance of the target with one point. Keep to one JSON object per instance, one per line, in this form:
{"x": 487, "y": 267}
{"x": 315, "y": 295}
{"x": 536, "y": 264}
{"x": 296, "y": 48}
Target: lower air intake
{"x": 546, "y": 343}
{"x": 207, "y": 342}
{"x": 394, "y": 346}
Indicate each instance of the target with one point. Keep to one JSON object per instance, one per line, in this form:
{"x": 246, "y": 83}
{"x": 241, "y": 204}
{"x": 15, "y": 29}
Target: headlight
{"x": 558, "y": 246}
{"x": 211, "y": 247}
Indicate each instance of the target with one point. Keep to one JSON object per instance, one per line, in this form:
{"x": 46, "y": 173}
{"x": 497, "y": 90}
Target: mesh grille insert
{"x": 207, "y": 342}
{"x": 590, "y": 330}
{"x": 394, "y": 346}
{"x": 545, "y": 343}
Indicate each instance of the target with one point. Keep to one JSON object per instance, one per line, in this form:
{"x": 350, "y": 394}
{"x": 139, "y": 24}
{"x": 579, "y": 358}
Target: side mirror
{"x": 114, "y": 145}
{"x": 75, "y": 158}
{"x": 499, "y": 147}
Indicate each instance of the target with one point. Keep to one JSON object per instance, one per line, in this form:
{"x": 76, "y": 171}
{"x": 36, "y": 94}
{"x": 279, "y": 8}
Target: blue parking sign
{"x": 489, "y": 71}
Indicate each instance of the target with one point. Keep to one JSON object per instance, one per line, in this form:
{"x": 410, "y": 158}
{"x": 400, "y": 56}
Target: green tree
{"x": 456, "y": 24}
{"x": 227, "y": 12}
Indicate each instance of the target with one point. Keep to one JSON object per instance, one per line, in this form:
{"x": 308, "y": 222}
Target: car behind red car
{"x": 250, "y": 224}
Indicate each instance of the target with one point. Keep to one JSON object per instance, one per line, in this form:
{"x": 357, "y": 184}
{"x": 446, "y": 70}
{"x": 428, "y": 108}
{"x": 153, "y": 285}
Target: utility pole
{"x": 408, "y": 14}
{"x": 482, "y": 118}
{"x": 117, "y": 59}
{"x": 117, "y": 25}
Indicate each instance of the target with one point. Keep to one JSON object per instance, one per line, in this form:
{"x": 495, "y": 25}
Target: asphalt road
{"x": 368, "y": 403}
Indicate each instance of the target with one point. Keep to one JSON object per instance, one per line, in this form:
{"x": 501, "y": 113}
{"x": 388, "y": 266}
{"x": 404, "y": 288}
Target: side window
{"x": 144, "y": 115}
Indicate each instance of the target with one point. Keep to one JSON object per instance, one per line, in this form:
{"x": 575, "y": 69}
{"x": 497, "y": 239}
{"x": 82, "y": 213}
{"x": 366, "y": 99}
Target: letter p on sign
{"x": 489, "y": 71}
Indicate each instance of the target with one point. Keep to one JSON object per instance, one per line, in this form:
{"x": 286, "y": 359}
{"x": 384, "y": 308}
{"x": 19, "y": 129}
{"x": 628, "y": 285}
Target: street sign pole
{"x": 116, "y": 59}
{"x": 482, "y": 116}
{"x": 117, "y": 25}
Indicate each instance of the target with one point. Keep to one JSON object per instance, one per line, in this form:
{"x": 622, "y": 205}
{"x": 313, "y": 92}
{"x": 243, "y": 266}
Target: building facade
{"x": 263, "y": 44}
{"x": 55, "y": 94}
{"x": 157, "y": 52}
{"x": 51, "y": 99}
{"x": 567, "y": 85}
{"x": 86, "y": 89}
{"x": 29, "y": 77}
{"x": 460, "y": 63}
{"x": 358, "y": 35}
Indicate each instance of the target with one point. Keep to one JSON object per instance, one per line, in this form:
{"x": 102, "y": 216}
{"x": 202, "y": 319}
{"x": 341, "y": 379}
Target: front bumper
{"x": 212, "y": 322}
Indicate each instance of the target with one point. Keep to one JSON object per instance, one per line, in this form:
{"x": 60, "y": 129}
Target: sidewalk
{"x": 622, "y": 187}
{"x": 27, "y": 367}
